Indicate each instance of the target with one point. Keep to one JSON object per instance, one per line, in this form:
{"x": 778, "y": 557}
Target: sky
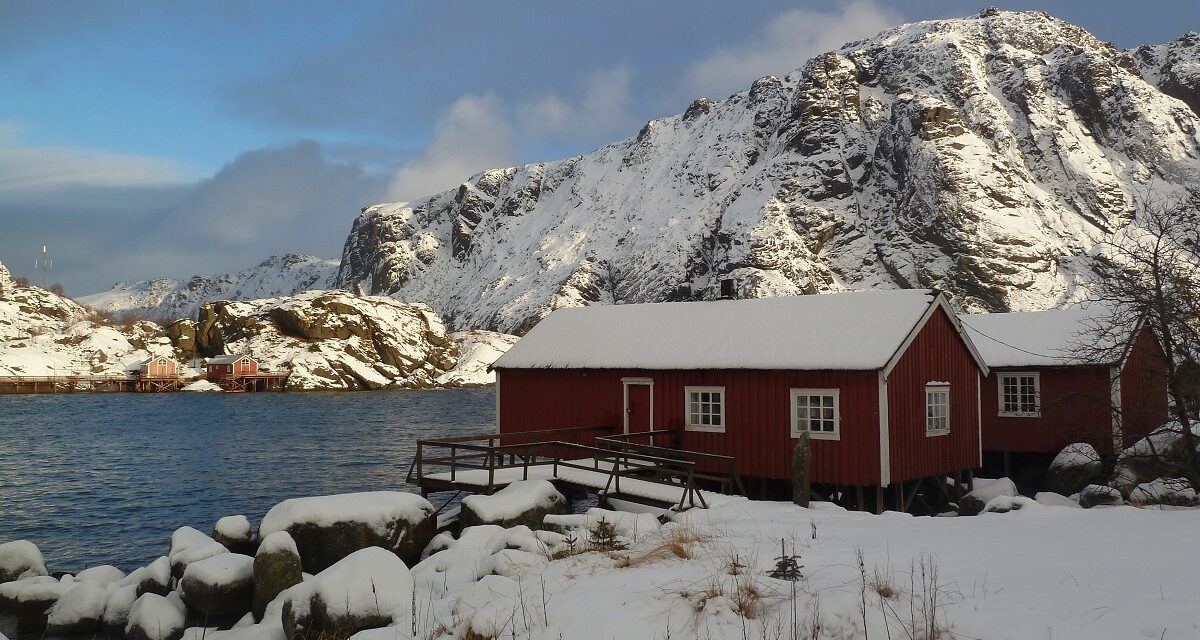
{"x": 150, "y": 139}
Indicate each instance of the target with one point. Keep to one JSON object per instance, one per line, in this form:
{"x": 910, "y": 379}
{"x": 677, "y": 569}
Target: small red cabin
{"x": 230, "y": 367}
{"x": 1053, "y": 384}
{"x": 886, "y": 383}
{"x": 158, "y": 367}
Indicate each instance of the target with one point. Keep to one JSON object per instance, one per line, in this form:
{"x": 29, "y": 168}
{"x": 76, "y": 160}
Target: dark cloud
{"x": 268, "y": 201}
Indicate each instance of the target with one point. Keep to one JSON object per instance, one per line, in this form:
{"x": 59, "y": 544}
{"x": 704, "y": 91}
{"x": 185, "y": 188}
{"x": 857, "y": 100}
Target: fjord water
{"x": 105, "y": 478}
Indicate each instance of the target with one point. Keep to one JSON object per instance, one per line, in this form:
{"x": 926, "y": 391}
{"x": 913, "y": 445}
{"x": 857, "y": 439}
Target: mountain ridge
{"x": 987, "y": 156}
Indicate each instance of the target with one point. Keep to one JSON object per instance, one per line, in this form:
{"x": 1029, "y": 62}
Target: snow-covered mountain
{"x": 167, "y": 299}
{"x": 42, "y": 334}
{"x": 985, "y": 156}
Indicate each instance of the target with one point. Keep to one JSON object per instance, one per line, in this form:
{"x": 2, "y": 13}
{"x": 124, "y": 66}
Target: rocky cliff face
{"x": 1173, "y": 67}
{"x": 985, "y": 156}
{"x": 165, "y": 299}
{"x": 336, "y": 340}
{"x": 42, "y": 334}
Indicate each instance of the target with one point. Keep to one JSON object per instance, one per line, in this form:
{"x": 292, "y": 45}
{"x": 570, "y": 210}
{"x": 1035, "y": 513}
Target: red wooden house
{"x": 1051, "y": 386}
{"x": 229, "y": 367}
{"x": 158, "y": 367}
{"x": 887, "y": 383}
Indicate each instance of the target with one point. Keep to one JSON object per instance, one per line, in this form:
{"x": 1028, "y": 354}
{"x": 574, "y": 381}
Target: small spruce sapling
{"x": 787, "y": 567}
{"x": 604, "y": 537}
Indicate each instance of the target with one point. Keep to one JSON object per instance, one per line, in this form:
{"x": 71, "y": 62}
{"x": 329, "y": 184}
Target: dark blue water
{"x": 105, "y": 478}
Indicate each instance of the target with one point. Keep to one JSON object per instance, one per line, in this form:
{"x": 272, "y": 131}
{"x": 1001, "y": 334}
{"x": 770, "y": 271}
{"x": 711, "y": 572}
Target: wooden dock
{"x": 254, "y": 382}
{"x": 88, "y": 384}
{"x": 611, "y": 466}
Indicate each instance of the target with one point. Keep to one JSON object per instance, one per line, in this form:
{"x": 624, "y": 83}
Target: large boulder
{"x": 154, "y": 617}
{"x": 1075, "y": 467}
{"x": 102, "y": 575}
{"x": 79, "y": 611}
{"x": 983, "y": 491}
{"x": 520, "y": 503}
{"x": 189, "y": 545}
{"x": 152, "y": 578}
{"x": 329, "y": 528}
{"x": 235, "y": 534}
{"x": 20, "y": 559}
{"x": 116, "y": 608}
{"x": 368, "y": 589}
{"x": 1095, "y": 495}
{"x": 276, "y": 568}
{"x": 219, "y": 590}
{"x": 1177, "y": 492}
{"x": 30, "y": 599}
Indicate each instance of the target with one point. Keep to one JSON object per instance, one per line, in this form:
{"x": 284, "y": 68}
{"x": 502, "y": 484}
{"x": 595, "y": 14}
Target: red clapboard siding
{"x": 1143, "y": 388}
{"x": 1075, "y": 408}
{"x": 757, "y": 414}
{"x": 937, "y": 354}
{"x": 758, "y": 421}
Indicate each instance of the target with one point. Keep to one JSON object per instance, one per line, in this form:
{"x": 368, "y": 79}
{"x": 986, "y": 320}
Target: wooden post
{"x": 858, "y": 492}
{"x": 801, "y": 464}
{"x": 900, "y": 496}
{"x": 878, "y": 499}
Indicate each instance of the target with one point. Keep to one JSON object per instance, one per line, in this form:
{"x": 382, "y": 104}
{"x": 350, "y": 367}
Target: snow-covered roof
{"x": 834, "y": 331}
{"x": 1053, "y": 338}
{"x": 227, "y": 359}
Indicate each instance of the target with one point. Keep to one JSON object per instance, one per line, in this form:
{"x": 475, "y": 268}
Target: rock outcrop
{"x": 337, "y": 340}
{"x": 328, "y": 528}
{"x": 985, "y": 156}
{"x": 368, "y": 589}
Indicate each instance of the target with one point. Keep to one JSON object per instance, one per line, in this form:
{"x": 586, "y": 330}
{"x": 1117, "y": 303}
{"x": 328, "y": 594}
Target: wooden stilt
{"x": 878, "y": 499}
{"x": 859, "y": 493}
{"x": 900, "y": 503}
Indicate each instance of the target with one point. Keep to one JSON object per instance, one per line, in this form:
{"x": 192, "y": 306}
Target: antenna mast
{"x": 44, "y": 264}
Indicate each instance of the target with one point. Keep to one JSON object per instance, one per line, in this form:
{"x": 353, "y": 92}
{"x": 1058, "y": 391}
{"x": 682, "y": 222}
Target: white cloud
{"x": 788, "y": 41}
{"x": 602, "y": 107}
{"x": 473, "y": 135}
{"x": 25, "y": 168}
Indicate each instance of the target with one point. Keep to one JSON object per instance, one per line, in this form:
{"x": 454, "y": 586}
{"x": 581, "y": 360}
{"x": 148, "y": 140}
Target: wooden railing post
{"x": 453, "y": 461}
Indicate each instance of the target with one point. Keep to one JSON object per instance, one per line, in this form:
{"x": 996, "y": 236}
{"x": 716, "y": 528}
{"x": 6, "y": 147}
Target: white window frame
{"x": 1037, "y": 394}
{"x": 687, "y": 409}
{"x": 836, "y": 434}
{"x": 936, "y": 387}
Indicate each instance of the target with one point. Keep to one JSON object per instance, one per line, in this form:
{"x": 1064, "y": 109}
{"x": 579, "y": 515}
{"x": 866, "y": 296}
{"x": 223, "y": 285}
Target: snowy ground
{"x": 1041, "y": 572}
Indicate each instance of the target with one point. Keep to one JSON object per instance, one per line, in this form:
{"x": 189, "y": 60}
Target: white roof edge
{"x": 939, "y": 302}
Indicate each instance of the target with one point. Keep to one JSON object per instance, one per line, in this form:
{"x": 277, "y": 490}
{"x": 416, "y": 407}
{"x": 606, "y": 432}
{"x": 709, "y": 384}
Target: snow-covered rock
{"x": 201, "y": 385}
{"x": 984, "y": 156}
{"x": 337, "y": 340}
{"x": 1095, "y": 495}
{"x": 116, "y": 607}
{"x": 276, "y": 568}
{"x": 1166, "y": 491}
{"x": 190, "y": 545}
{"x": 80, "y": 611}
{"x": 1051, "y": 499}
{"x": 30, "y": 599}
{"x": 235, "y": 534}
{"x": 20, "y": 559}
{"x": 1075, "y": 467}
{"x": 631, "y": 526}
{"x": 454, "y": 564}
{"x": 328, "y": 528}
{"x": 102, "y": 575}
{"x": 367, "y": 589}
{"x": 155, "y": 617}
{"x": 983, "y": 491}
{"x": 477, "y": 350}
{"x": 520, "y": 503}
{"x": 166, "y": 299}
{"x": 152, "y": 578}
{"x": 219, "y": 589}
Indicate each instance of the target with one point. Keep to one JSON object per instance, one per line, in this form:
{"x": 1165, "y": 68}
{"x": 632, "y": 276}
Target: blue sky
{"x": 145, "y": 139}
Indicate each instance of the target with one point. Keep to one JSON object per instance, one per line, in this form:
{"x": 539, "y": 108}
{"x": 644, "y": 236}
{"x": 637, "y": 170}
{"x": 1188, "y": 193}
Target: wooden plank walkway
{"x": 611, "y": 466}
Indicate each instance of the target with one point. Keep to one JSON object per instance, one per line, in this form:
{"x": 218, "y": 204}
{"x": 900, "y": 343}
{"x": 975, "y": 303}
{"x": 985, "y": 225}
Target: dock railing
{"x": 461, "y": 462}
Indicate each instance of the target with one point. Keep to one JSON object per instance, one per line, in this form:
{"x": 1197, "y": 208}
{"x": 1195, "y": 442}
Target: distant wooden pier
{"x": 88, "y": 384}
